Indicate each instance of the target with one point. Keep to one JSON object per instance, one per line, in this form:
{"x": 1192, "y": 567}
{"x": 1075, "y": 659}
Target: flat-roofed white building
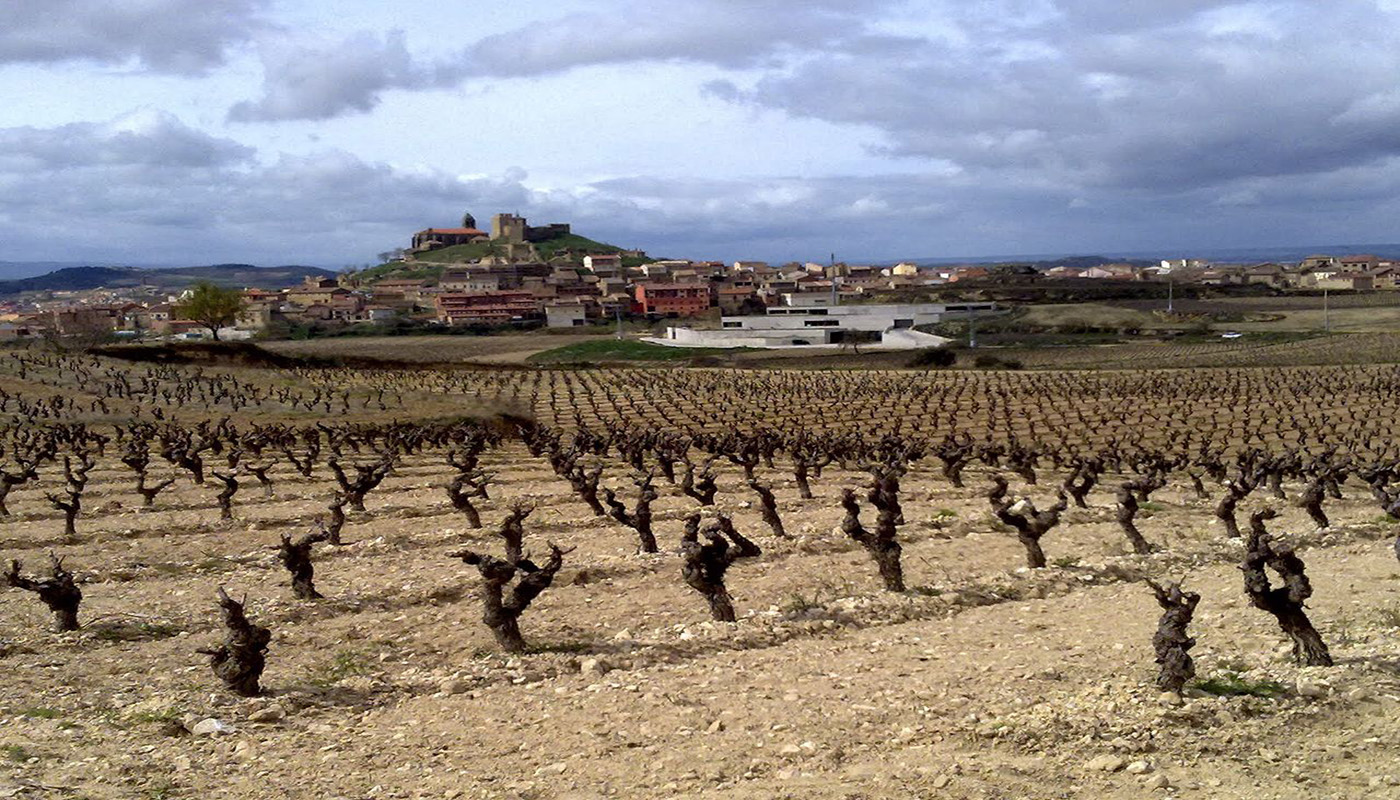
{"x": 820, "y": 324}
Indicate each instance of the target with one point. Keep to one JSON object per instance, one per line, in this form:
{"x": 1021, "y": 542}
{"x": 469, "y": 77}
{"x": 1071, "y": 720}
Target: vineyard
{"x": 531, "y": 583}
{"x": 1337, "y": 350}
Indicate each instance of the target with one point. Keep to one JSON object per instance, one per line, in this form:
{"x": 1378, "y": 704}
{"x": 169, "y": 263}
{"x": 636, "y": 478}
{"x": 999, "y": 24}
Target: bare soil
{"x": 503, "y": 349}
{"x": 984, "y": 681}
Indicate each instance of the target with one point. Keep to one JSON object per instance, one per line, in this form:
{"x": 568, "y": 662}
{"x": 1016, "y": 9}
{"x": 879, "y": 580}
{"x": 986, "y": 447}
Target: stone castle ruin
{"x": 511, "y": 232}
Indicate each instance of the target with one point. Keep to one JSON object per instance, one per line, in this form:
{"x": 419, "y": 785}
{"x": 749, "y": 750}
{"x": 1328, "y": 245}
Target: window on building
{"x": 734, "y": 324}
{"x": 821, "y": 323}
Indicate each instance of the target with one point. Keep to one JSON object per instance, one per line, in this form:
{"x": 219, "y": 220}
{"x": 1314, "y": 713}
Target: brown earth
{"x": 984, "y": 681}
{"x": 504, "y": 349}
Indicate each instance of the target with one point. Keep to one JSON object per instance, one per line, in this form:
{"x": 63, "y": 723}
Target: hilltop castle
{"x": 510, "y": 230}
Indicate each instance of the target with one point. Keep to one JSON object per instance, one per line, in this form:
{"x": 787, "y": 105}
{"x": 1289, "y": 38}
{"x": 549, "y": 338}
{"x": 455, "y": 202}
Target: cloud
{"x": 735, "y": 34}
{"x": 1181, "y": 95}
{"x": 142, "y": 139}
{"x": 146, "y": 188}
{"x": 320, "y": 81}
{"x": 176, "y": 36}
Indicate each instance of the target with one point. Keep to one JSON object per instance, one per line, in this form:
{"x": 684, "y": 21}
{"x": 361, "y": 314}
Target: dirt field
{"x": 503, "y": 349}
{"x": 984, "y": 680}
{"x": 1369, "y": 313}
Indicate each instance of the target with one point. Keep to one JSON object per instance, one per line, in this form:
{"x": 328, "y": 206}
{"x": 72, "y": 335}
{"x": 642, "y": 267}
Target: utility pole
{"x": 971, "y": 328}
{"x": 618, "y": 310}
{"x": 1171, "y": 295}
{"x": 1326, "y": 314}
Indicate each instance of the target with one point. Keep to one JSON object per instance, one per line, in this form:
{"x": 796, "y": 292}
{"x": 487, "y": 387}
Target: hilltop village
{"x": 519, "y": 275}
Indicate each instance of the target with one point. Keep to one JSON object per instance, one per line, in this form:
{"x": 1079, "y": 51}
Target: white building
{"x": 817, "y": 322}
{"x": 565, "y": 315}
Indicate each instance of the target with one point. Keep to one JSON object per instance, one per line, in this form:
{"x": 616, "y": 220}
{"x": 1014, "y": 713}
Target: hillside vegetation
{"x": 432, "y": 263}
{"x": 73, "y": 279}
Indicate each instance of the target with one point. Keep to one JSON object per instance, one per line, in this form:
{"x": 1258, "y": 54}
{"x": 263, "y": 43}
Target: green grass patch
{"x": 1232, "y": 684}
{"x": 623, "y": 350}
{"x": 15, "y": 753}
{"x": 133, "y": 631}
{"x": 344, "y": 664}
{"x": 40, "y": 713}
{"x": 578, "y": 244}
{"x": 459, "y": 254}
{"x": 162, "y": 789}
{"x": 160, "y": 717}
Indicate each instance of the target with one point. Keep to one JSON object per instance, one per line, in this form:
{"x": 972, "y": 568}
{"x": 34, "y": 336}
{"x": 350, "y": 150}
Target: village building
{"x": 399, "y": 292}
{"x": 565, "y": 315}
{"x": 673, "y": 299}
{"x": 1339, "y": 280}
{"x": 1386, "y": 276}
{"x": 603, "y": 264}
{"x": 487, "y": 308}
{"x": 818, "y": 322}
{"x": 315, "y": 290}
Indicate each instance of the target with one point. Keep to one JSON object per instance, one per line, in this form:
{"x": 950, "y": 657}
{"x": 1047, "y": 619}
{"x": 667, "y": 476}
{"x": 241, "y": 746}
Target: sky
{"x": 325, "y": 132}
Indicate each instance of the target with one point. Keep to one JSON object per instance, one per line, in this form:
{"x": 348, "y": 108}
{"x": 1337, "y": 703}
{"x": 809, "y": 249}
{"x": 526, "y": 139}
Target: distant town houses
{"x": 511, "y": 282}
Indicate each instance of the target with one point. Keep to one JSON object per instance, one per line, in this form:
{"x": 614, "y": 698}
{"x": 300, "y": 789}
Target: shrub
{"x": 933, "y": 358}
{"x": 989, "y": 361}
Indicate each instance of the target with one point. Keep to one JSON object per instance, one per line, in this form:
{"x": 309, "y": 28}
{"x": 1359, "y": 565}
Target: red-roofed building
{"x": 458, "y": 308}
{"x": 433, "y": 238}
{"x": 673, "y": 299}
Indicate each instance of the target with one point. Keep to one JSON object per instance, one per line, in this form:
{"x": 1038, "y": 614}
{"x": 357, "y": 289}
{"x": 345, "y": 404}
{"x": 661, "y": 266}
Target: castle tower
{"x": 508, "y": 228}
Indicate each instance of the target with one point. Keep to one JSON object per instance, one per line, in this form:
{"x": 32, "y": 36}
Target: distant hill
{"x": 1076, "y": 262}
{"x": 432, "y": 263}
{"x": 234, "y": 275}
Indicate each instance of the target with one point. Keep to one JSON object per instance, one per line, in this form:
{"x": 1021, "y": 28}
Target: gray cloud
{"x": 177, "y": 36}
{"x": 143, "y": 139}
{"x": 304, "y": 81}
{"x": 320, "y": 81}
{"x": 147, "y": 188}
{"x": 728, "y": 33}
{"x": 1198, "y": 93}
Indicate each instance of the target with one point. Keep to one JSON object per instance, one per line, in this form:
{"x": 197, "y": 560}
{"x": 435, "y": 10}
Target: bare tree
{"x": 337, "y": 509}
{"x": 768, "y": 508}
{"x": 1285, "y": 602}
{"x": 1030, "y": 525}
{"x": 882, "y": 543}
{"x": 639, "y": 519}
{"x": 703, "y": 565}
{"x": 1311, "y": 501}
{"x": 148, "y": 492}
{"x": 59, "y": 592}
{"x": 1127, "y": 514}
{"x": 512, "y": 530}
{"x": 1172, "y": 643}
{"x": 240, "y": 660}
{"x": 700, "y": 487}
{"x": 296, "y": 557}
{"x": 503, "y": 604}
{"x": 225, "y": 498}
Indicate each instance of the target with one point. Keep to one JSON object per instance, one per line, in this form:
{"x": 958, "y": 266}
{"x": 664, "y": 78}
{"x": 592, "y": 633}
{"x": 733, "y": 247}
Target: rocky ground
{"x": 985, "y": 680}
